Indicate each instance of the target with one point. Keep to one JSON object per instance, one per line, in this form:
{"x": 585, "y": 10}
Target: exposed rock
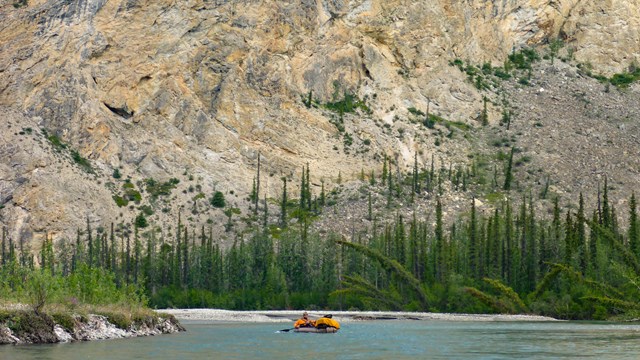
{"x": 37, "y": 329}
{"x": 196, "y": 89}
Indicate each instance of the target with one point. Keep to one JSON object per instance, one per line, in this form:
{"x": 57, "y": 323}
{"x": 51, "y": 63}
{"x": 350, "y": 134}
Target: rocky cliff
{"x": 194, "y": 90}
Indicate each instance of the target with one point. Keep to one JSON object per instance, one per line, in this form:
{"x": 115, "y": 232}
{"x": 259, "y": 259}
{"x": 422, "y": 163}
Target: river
{"x": 377, "y": 339}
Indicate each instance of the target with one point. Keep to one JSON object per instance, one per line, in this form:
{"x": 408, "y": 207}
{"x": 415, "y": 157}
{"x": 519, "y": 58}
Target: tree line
{"x": 573, "y": 264}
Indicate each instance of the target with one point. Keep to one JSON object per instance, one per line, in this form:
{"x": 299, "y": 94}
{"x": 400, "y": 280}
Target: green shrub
{"x": 156, "y": 189}
{"x": 141, "y": 221}
{"x": 217, "y": 200}
{"x": 120, "y": 201}
{"x": 20, "y": 3}
{"x": 130, "y": 193}
{"x": 623, "y": 80}
{"x": 415, "y": 111}
{"x": 349, "y": 103}
{"x": 501, "y": 74}
{"x": 83, "y": 162}
{"x": 146, "y": 209}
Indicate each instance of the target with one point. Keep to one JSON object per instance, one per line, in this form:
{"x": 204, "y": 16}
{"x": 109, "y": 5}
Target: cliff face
{"x": 196, "y": 89}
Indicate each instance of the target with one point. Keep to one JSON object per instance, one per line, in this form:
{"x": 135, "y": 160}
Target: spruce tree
{"x": 137, "y": 254}
{"x": 485, "y": 113}
{"x": 440, "y": 256}
{"x": 90, "y": 244}
{"x": 303, "y": 190}
{"x": 257, "y": 195}
{"x": 581, "y": 237}
{"x": 389, "y": 190}
{"x": 532, "y": 251}
{"x": 509, "y": 237}
{"x": 265, "y": 217}
{"x": 593, "y": 244}
{"x": 415, "y": 178}
{"x": 634, "y": 227}
{"x": 185, "y": 259}
{"x": 283, "y": 204}
{"x": 384, "y": 171}
{"x": 606, "y": 212}
{"x": 508, "y": 175}
{"x": 113, "y": 250}
{"x": 473, "y": 242}
{"x": 3, "y": 259}
{"x": 569, "y": 240}
{"x": 432, "y": 173}
{"x": 307, "y": 187}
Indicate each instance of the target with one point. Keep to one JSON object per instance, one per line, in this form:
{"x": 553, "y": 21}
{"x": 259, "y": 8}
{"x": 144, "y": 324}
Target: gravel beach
{"x": 282, "y": 316}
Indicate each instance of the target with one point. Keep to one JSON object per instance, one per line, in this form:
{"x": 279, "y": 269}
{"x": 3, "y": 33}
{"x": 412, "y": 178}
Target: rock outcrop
{"x": 196, "y": 89}
{"x": 38, "y": 329}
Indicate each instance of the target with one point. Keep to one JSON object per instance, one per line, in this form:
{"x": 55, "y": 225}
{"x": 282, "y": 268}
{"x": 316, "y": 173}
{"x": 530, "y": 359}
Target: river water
{"x": 381, "y": 339}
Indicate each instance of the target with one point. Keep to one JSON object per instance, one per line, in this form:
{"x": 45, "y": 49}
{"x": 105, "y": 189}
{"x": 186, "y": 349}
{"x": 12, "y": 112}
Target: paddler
{"x": 304, "y": 321}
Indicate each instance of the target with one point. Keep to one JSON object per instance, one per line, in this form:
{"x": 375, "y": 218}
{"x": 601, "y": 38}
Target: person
{"x": 304, "y": 321}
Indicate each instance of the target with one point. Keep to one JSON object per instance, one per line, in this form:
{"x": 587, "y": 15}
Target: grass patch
{"x": 495, "y": 198}
{"x": 120, "y": 319}
{"x": 55, "y": 140}
{"x": 65, "y": 320}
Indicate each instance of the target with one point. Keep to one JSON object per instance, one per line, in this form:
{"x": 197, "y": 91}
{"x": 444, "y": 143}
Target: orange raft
{"x": 324, "y": 325}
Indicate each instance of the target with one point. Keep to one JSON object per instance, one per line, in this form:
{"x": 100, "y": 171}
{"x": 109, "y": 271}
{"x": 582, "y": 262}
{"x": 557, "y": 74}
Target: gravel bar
{"x": 281, "y": 316}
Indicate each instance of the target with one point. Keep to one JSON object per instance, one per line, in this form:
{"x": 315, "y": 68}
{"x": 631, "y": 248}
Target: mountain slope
{"x": 195, "y": 90}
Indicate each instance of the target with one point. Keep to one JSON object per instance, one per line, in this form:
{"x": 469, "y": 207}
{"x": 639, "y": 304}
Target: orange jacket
{"x": 304, "y": 323}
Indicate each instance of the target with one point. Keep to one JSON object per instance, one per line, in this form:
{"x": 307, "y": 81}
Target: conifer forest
{"x": 573, "y": 262}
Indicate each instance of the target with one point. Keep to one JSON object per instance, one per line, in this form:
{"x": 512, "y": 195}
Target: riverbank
{"x": 342, "y": 316}
{"x": 24, "y": 326}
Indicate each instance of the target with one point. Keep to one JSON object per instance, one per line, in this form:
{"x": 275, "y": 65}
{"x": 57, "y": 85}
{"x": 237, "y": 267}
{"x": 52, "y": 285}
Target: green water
{"x": 362, "y": 340}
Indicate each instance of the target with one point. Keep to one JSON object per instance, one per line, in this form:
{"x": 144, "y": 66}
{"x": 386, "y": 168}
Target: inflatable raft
{"x": 324, "y": 325}
{"x": 313, "y": 330}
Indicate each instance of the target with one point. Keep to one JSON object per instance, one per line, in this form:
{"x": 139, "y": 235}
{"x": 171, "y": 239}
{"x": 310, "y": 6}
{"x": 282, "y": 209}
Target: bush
{"x": 217, "y": 201}
{"x": 146, "y": 209}
{"x": 156, "y": 189}
{"x": 20, "y": 3}
{"x": 141, "y": 221}
{"x": 83, "y": 162}
{"x": 623, "y": 80}
{"x": 120, "y": 201}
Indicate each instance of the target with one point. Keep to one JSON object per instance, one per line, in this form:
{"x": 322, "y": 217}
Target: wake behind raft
{"x": 324, "y": 325}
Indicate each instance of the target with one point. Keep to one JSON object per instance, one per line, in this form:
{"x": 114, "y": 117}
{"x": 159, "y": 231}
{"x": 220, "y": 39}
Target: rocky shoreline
{"x": 342, "y": 316}
{"x": 26, "y": 327}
